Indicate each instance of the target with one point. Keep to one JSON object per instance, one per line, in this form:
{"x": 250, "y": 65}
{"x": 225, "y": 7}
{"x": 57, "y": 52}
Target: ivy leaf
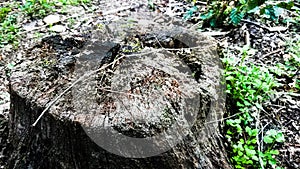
{"x": 252, "y": 132}
{"x": 272, "y": 132}
{"x": 236, "y": 16}
{"x": 255, "y": 158}
{"x": 239, "y": 104}
{"x": 251, "y": 4}
{"x": 286, "y": 5}
{"x": 250, "y": 152}
{"x": 190, "y": 13}
{"x": 271, "y": 11}
{"x": 279, "y": 137}
{"x": 243, "y": 2}
{"x": 247, "y": 103}
{"x": 272, "y": 162}
{"x": 274, "y": 152}
{"x": 254, "y": 10}
{"x": 151, "y": 4}
{"x": 229, "y": 78}
{"x": 261, "y": 154}
{"x": 248, "y": 129}
{"x": 213, "y": 22}
{"x": 208, "y": 15}
{"x": 268, "y": 139}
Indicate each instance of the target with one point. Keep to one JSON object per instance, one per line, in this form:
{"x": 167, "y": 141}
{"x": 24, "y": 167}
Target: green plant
{"x": 9, "y": 26}
{"x": 151, "y": 5}
{"x": 41, "y": 8}
{"x": 8, "y": 30}
{"x": 3, "y": 12}
{"x": 272, "y": 136}
{"x": 221, "y": 13}
{"x": 291, "y": 64}
{"x": 244, "y": 149}
{"x": 294, "y": 51}
{"x": 47, "y": 62}
{"x": 248, "y": 86}
{"x": 72, "y": 2}
{"x": 132, "y": 45}
{"x": 297, "y": 84}
{"x": 247, "y": 83}
{"x": 37, "y": 8}
{"x": 295, "y": 19}
{"x": 272, "y": 9}
{"x": 9, "y": 68}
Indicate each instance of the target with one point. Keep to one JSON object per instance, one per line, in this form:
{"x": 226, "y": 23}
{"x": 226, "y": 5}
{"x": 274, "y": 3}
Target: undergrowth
{"x": 248, "y": 86}
{"x": 290, "y": 66}
{"x": 226, "y": 13}
{"x": 10, "y": 13}
{"x": 8, "y": 27}
{"x": 40, "y": 8}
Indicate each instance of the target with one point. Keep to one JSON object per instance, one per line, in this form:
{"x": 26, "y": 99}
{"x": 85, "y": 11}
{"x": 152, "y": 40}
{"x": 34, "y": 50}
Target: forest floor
{"x": 272, "y": 45}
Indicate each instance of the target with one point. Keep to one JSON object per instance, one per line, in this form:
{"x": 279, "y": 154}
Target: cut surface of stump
{"x": 154, "y": 101}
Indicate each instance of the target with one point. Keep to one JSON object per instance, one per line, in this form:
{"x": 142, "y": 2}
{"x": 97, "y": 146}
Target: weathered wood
{"x": 61, "y": 139}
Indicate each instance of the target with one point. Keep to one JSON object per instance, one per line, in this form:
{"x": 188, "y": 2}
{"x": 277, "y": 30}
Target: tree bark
{"x": 60, "y": 138}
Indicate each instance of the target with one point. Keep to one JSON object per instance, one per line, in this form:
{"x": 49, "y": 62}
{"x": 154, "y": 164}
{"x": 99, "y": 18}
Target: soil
{"x": 281, "y": 112}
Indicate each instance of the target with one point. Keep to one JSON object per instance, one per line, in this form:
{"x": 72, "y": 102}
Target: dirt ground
{"x": 281, "y": 112}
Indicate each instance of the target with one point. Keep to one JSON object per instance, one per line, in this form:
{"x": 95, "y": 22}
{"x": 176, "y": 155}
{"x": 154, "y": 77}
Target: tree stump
{"x": 154, "y": 102}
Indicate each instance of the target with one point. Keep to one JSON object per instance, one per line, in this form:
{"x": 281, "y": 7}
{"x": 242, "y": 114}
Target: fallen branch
{"x": 229, "y": 117}
{"x": 270, "y": 53}
{"x": 215, "y": 33}
{"x": 247, "y": 38}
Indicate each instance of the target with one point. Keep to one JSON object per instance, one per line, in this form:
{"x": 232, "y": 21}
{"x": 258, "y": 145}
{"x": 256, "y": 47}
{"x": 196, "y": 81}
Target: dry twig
{"x": 88, "y": 75}
{"x": 270, "y": 29}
